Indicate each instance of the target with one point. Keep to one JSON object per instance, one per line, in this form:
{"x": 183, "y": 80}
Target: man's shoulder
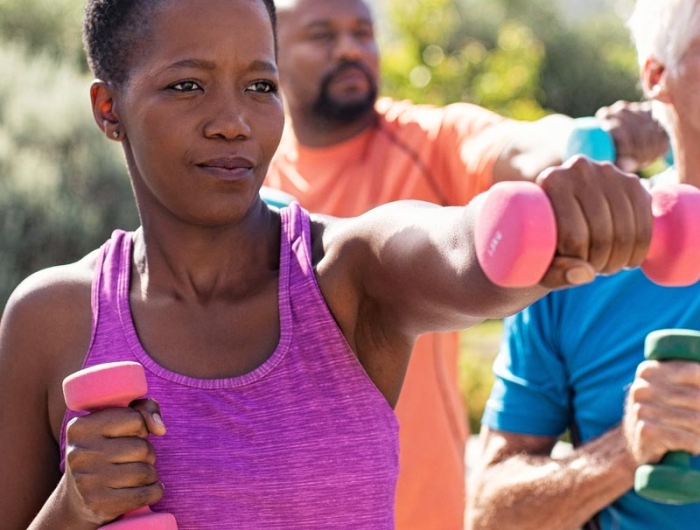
{"x": 457, "y": 116}
{"x": 412, "y": 122}
{"x": 562, "y": 309}
{"x": 404, "y": 110}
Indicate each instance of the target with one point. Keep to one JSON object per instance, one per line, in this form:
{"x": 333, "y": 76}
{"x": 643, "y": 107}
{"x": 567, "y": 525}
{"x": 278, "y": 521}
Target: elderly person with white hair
{"x": 574, "y": 361}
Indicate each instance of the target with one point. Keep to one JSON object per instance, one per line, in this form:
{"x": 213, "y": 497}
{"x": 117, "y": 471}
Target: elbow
{"x": 480, "y": 514}
{"x": 493, "y": 302}
{"x": 480, "y": 517}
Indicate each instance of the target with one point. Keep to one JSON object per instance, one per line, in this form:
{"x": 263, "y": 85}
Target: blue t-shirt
{"x": 572, "y": 355}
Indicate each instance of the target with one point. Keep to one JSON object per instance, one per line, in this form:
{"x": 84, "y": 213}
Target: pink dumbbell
{"x": 516, "y": 235}
{"x": 114, "y": 385}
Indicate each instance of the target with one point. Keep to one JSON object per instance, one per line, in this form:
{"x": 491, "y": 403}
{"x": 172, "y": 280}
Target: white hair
{"x": 281, "y": 5}
{"x": 663, "y": 30}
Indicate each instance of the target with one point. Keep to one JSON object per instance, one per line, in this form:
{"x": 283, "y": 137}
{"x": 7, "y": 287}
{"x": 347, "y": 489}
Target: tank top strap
{"x": 297, "y": 278}
{"x": 296, "y": 236}
{"x": 110, "y": 283}
{"x": 300, "y": 291}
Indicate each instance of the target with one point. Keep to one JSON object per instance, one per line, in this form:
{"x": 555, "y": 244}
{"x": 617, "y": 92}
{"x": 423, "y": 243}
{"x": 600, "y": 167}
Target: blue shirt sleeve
{"x": 530, "y": 393}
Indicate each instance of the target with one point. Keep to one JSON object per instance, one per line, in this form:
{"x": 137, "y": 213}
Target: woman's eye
{"x": 264, "y": 87}
{"x": 185, "y": 86}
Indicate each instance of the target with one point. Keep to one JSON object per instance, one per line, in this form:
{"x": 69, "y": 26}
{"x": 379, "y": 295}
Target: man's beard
{"x": 331, "y": 109}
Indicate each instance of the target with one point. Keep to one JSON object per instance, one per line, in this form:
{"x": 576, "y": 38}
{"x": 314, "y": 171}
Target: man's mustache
{"x": 348, "y": 65}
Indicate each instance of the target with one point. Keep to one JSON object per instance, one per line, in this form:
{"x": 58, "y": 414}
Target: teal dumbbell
{"x": 671, "y": 481}
{"x": 276, "y": 198}
{"x": 589, "y": 139}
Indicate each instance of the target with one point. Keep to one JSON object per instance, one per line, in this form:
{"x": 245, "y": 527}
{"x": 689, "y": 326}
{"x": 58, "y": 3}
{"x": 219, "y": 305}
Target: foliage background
{"x": 521, "y": 58}
{"x": 63, "y": 187}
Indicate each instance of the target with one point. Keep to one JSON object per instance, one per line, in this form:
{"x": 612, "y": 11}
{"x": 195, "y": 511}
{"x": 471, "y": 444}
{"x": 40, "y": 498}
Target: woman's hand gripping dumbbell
{"x": 521, "y": 233}
{"x": 111, "y": 457}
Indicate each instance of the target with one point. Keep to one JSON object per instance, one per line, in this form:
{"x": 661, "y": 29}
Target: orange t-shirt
{"x": 443, "y": 155}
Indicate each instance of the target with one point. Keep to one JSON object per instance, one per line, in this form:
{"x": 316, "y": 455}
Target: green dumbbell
{"x": 671, "y": 481}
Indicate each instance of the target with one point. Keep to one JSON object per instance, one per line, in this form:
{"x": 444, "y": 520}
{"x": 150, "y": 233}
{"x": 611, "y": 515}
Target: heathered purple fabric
{"x": 305, "y": 441}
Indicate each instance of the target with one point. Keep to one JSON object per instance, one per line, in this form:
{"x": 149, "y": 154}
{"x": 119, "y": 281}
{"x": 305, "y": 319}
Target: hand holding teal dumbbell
{"x": 588, "y": 138}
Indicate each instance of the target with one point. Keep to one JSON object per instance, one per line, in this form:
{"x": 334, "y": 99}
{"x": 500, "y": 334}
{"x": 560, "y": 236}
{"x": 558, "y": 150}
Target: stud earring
{"x": 115, "y": 134}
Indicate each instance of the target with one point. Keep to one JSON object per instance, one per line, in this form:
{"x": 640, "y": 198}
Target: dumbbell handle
{"x": 114, "y": 385}
{"x": 516, "y": 235}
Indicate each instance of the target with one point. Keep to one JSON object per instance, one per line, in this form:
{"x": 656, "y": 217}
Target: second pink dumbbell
{"x": 115, "y": 385}
{"x": 516, "y": 235}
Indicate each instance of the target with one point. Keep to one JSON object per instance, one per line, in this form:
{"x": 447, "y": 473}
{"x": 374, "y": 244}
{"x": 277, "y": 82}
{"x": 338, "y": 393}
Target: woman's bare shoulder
{"x": 50, "y": 311}
{"x": 61, "y": 284}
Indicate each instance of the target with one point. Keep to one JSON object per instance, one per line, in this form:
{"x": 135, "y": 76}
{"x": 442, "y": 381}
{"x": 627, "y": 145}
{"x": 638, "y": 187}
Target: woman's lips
{"x": 234, "y": 168}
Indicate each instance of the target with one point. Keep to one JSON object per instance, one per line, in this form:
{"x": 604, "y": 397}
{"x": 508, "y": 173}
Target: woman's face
{"x": 200, "y": 113}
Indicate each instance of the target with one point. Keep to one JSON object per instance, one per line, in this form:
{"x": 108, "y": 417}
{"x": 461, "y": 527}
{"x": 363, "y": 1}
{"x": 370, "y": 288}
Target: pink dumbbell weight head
{"x": 114, "y": 385}
{"x": 516, "y": 235}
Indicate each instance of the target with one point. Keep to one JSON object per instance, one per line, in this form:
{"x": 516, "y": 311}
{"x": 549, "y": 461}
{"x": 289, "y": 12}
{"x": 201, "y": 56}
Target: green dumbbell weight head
{"x": 671, "y": 481}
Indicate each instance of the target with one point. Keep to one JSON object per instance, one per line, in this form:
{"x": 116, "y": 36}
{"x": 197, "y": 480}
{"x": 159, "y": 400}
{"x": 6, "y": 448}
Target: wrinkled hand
{"x": 662, "y": 411}
{"x": 638, "y": 137}
{"x": 110, "y": 462}
{"x": 603, "y": 217}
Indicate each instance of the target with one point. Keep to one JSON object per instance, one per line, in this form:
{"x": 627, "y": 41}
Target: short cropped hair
{"x": 113, "y": 28}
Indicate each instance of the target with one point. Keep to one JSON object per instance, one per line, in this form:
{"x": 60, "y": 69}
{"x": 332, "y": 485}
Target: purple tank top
{"x": 305, "y": 441}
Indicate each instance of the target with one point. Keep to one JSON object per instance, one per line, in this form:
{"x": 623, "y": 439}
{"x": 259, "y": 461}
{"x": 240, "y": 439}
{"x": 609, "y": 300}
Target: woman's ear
{"x": 104, "y": 110}
{"x": 654, "y": 80}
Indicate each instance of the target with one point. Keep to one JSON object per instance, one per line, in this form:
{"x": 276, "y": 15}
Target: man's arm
{"x": 517, "y": 484}
{"x": 533, "y": 146}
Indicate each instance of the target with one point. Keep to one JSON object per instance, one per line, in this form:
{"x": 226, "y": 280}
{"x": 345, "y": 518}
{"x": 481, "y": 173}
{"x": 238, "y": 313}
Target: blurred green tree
{"x": 521, "y": 58}
{"x": 63, "y": 187}
{"x": 51, "y": 27}
{"x": 590, "y": 65}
